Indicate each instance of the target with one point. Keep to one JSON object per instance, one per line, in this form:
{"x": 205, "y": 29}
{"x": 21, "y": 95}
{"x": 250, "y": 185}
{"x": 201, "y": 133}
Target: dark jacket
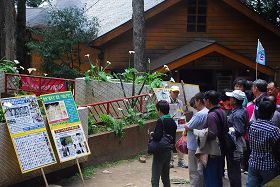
{"x": 217, "y": 126}
{"x": 170, "y": 128}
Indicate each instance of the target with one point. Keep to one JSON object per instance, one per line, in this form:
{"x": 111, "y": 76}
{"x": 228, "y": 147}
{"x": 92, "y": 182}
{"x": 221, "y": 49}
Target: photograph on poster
{"x": 70, "y": 142}
{"x": 162, "y": 94}
{"x": 56, "y": 112}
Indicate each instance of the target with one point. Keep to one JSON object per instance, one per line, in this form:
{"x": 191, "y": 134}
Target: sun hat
{"x": 237, "y": 94}
{"x": 175, "y": 89}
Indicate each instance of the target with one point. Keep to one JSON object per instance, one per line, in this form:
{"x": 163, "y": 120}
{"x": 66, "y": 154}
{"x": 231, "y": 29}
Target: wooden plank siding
{"x": 168, "y": 30}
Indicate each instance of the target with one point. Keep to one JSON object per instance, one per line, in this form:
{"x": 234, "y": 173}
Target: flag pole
{"x": 256, "y": 70}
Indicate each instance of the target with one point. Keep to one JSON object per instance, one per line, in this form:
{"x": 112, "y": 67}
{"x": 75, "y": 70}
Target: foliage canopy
{"x": 61, "y": 39}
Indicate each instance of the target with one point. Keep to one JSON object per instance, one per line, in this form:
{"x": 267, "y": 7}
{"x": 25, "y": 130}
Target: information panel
{"x": 28, "y": 132}
{"x": 65, "y": 126}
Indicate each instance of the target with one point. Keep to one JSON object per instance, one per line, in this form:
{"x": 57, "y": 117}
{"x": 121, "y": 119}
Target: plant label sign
{"x": 28, "y": 132}
{"x": 65, "y": 126}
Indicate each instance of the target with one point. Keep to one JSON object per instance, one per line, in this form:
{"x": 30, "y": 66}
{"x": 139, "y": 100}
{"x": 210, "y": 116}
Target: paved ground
{"x": 131, "y": 174}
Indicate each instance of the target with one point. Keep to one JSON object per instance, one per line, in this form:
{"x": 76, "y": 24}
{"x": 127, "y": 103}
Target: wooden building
{"x": 205, "y": 42}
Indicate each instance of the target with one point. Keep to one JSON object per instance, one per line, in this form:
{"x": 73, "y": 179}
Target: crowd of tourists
{"x": 232, "y": 132}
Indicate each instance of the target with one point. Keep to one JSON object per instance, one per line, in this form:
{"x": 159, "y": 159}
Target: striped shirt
{"x": 262, "y": 136}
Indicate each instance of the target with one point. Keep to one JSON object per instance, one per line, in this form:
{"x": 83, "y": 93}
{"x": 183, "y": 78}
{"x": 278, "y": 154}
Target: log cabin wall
{"x": 168, "y": 30}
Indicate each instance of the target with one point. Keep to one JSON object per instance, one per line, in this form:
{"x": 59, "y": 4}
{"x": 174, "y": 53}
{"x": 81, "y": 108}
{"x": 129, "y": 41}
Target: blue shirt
{"x": 262, "y": 136}
{"x": 196, "y": 122}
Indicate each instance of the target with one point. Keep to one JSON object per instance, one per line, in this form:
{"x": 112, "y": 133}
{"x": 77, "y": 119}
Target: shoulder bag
{"x": 164, "y": 144}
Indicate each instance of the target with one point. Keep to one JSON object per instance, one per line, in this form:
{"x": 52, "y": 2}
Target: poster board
{"x": 162, "y": 94}
{"x": 190, "y": 90}
{"x": 65, "y": 125}
{"x": 28, "y": 132}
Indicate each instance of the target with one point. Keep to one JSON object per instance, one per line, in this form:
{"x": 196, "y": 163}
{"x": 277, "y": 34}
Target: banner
{"x": 28, "y": 133}
{"x": 65, "y": 126}
{"x": 38, "y": 85}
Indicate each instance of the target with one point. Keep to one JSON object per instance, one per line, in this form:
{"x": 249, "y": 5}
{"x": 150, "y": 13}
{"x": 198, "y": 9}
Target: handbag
{"x": 164, "y": 144}
{"x": 181, "y": 145}
{"x": 227, "y": 142}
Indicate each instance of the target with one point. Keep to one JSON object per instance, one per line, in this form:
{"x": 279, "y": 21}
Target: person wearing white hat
{"x": 174, "y": 93}
{"x": 237, "y": 123}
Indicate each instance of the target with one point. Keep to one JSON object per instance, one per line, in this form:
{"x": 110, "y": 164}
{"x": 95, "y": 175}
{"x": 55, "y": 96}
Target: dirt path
{"x": 132, "y": 174}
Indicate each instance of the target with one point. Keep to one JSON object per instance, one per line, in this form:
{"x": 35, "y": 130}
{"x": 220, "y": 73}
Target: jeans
{"x": 213, "y": 172}
{"x": 257, "y": 178}
{"x": 160, "y": 168}
{"x": 195, "y": 170}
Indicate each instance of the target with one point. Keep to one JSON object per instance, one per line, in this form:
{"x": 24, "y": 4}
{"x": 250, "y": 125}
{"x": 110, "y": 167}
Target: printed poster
{"x": 65, "y": 126}
{"x": 162, "y": 94}
{"x": 28, "y": 132}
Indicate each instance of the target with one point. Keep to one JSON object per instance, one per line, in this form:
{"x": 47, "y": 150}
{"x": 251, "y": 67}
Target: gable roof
{"x": 199, "y": 48}
{"x": 110, "y": 13}
{"x": 236, "y": 4}
{"x": 115, "y": 16}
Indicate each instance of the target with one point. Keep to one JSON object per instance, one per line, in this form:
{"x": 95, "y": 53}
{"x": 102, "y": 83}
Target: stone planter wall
{"x": 108, "y": 147}
{"x": 98, "y": 91}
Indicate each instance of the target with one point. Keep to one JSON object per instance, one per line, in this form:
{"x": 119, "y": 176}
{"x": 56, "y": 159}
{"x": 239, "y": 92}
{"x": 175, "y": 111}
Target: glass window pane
{"x": 201, "y": 19}
{"x": 201, "y": 28}
{"x": 192, "y": 2}
{"x": 191, "y": 19}
{"x": 191, "y": 28}
{"x": 191, "y": 10}
{"x": 202, "y": 2}
{"x": 202, "y": 10}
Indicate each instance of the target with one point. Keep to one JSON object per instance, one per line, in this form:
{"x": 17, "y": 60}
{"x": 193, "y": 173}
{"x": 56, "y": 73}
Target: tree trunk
{"x": 7, "y": 29}
{"x": 21, "y": 33}
{"x": 139, "y": 35}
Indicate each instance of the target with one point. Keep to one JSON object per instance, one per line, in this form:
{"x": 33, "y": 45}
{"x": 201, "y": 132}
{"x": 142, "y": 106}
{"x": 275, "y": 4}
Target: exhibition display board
{"x": 28, "y": 132}
{"x": 65, "y": 125}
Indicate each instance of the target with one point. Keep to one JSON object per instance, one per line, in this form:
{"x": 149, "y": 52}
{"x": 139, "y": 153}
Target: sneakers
{"x": 182, "y": 164}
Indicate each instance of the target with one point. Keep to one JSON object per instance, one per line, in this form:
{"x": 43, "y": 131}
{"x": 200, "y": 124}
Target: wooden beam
{"x": 221, "y": 50}
{"x": 237, "y": 5}
{"x": 243, "y": 60}
{"x": 128, "y": 25}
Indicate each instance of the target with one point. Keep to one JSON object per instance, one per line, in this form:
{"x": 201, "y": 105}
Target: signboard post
{"x": 28, "y": 132}
{"x": 65, "y": 125}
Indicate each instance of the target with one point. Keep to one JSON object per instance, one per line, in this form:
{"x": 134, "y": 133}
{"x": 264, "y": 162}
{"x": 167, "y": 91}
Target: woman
{"x": 161, "y": 161}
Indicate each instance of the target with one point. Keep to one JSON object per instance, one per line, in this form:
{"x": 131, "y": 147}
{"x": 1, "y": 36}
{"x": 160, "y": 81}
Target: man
{"x": 216, "y": 124}
{"x": 237, "y": 122}
{"x": 272, "y": 90}
{"x": 276, "y": 116}
{"x": 196, "y": 122}
{"x": 259, "y": 89}
{"x": 174, "y": 93}
{"x": 263, "y": 135}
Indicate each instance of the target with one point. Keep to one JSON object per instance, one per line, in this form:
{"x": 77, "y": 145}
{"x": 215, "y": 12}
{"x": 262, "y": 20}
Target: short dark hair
{"x": 266, "y": 108}
{"x": 192, "y": 102}
{"x": 163, "y": 106}
{"x": 212, "y": 96}
{"x": 199, "y": 97}
{"x": 270, "y": 98}
{"x": 241, "y": 82}
{"x": 261, "y": 85}
{"x": 249, "y": 95}
{"x": 249, "y": 85}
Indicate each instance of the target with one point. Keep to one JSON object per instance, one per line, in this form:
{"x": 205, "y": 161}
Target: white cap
{"x": 237, "y": 94}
